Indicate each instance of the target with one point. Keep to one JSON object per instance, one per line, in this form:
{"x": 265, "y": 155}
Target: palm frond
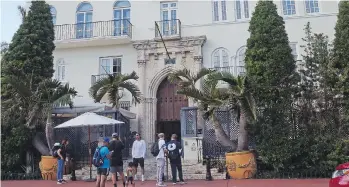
{"x": 133, "y": 89}
{"x": 131, "y": 76}
{"x": 202, "y": 73}
{"x": 96, "y": 89}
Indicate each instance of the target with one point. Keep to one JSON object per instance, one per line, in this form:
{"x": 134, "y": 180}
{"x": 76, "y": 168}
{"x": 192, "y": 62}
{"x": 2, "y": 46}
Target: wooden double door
{"x": 169, "y": 105}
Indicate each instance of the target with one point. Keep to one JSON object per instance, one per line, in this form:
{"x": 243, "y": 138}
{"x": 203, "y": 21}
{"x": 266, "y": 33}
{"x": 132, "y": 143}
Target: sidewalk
{"x": 196, "y": 183}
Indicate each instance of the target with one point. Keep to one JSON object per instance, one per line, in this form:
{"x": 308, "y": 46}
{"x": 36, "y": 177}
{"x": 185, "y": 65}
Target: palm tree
{"x": 37, "y": 102}
{"x": 237, "y": 96}
{"x": 209, "y": 100}
{"x": 240, "y": 97}
{"x": 112, "y": 84}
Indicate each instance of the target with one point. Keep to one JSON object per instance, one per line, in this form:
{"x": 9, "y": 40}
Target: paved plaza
{"x": 196, "y": 183}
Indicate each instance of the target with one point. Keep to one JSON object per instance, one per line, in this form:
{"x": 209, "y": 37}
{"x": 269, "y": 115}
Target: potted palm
{"x": 37, "y": 101}
{"x": 241, "y": 162}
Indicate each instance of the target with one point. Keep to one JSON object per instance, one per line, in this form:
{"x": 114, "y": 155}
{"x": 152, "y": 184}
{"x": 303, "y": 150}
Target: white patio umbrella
{"x": 89, "y": 119}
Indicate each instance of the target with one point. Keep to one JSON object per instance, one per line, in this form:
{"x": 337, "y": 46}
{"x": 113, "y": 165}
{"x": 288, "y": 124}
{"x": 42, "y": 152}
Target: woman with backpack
{"x": 58, "y": 153}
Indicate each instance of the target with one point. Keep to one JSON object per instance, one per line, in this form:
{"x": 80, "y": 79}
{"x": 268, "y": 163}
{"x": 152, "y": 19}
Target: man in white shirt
{"x": 138, "y": 154}
{"x": 160, "y": 160}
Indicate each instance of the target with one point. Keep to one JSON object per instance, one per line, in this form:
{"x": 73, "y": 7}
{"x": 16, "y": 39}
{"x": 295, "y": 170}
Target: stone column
{"x": 141, "y": 85}
{"x": 198, "y": 65}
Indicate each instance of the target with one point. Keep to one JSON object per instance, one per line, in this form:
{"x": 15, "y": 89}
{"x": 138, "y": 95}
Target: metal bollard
{"x": 208, "y": 169}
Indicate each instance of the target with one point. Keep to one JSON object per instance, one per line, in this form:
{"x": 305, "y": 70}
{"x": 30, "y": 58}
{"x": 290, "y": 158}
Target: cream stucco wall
{"x": 196, "y": 19}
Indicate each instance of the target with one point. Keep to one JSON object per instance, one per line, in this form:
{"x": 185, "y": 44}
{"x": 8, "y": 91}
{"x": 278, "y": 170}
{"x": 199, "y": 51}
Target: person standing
{"x": 116, "y": 147}
{"x": 138, "y": 154}
{"x": 103, "y": 170}
{"x": 160, "y": 160}
{"x": 174, "y": 149}
{"x": 58, "y": 153}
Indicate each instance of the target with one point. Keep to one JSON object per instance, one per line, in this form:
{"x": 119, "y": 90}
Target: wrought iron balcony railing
{"x": 168, "y": 28}
{"x": 235, "y": 70}
{"x": 95, "y": 78}
{"x": 112, "y": 28}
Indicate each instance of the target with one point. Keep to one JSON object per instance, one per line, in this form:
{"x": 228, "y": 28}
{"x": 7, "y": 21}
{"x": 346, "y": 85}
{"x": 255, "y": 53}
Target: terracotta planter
{"x": 48, "y": 168}
{"x": 241, "y": 165}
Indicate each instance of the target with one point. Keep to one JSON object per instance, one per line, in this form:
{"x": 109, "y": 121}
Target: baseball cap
{"x": 57, "y": 144}
{"x": 114, "y": 135}
{"x": 106, "y": 139}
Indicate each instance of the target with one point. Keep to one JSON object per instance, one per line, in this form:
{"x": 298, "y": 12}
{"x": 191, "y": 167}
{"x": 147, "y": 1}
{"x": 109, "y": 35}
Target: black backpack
{"x": 173, "y": 151}
{"x": 155, "y": 149}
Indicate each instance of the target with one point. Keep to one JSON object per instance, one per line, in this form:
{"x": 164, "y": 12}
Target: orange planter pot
{"x": 48, "y": 167}
{"x": 241, "y": 165}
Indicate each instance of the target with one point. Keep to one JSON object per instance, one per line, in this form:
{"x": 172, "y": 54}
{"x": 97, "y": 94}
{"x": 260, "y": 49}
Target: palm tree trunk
{"x": 222, "y": 137}
{"x": 40, "y": 145}
{"x": 49, "y": 131}
{"x": 243, "y": 136}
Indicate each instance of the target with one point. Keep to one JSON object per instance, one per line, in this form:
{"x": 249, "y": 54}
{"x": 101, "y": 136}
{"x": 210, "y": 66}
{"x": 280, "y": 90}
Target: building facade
{"x": 95, "y": 38}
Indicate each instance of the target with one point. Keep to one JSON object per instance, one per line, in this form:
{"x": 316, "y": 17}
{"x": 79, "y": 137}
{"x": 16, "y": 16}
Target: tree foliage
{"x": 340, "y": 62}
{"x": 30, "y": 51}
{"x": 269, "y": 62}
{"x": 307, "y": 135}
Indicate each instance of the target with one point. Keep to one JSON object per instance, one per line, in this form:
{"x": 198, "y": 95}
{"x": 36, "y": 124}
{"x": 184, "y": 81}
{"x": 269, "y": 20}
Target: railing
{"x": 168, "y": 28}
{"x": 95, "y": 78}
{"x": 235, "y": 70}
{"x": 112, "y": 28}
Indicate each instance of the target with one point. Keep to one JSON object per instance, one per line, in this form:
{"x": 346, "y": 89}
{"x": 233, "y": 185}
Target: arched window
{"x": 60, "y": 70}
{"x": 219, "y": 10}
{"x": 240, "y": 61}
{"x": 84, "y": 25}
{"x": 122, "y": 24}
{"x": 220, "y": 58}
{"x": 54, "y": 14}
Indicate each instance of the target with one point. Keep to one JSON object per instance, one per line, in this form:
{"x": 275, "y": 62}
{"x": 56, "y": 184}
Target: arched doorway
{"x": 169, "y": 105}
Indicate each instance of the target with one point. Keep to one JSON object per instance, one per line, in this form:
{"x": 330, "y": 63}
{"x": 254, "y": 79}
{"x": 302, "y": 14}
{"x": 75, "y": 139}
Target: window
{"x": 84, "y": 25}
{"x": 169, "y": 19}
{"x": 122, "y": 22}
{"x": 219, "y": 10}
{"x": 294, "y": 50}
{"x": 312, "y": 6}
{"x": 54, "y": 14}
{"x": 240, "y": 63}
{"x": 220, "y": 59}
{"x": 289, "y": 7}
{"x": 241, "y": 9}
{"x": 60, "y": 70}
{"x": 109, "y": 65}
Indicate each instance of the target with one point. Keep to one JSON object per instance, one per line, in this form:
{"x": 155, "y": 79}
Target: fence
{"x": 296, "y": 125}
{"x": 78, "y": 137}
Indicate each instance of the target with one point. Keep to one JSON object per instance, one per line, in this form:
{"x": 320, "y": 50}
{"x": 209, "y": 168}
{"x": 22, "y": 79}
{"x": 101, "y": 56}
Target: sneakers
{"x": 59, "y": 182}
{"x": 161, "y": 184}
{"x": 142, "y": 178}
{"x": 64, "y": 181}
{"x": 182, "y": 182}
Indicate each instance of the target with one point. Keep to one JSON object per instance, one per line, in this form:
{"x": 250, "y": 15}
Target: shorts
{"x": 139, "y": 161}
{"x": 103, "y": 171}
{"x": 116, "y": 169}
{"x": 129, "y": 180}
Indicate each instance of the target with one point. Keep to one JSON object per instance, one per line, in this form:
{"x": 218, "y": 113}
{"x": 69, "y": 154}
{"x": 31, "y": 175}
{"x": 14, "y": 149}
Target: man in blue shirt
{"x": 103, "y": 170}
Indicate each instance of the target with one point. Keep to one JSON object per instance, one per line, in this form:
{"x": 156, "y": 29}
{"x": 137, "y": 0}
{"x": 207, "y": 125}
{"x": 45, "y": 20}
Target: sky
{"x": 10, "y": 18}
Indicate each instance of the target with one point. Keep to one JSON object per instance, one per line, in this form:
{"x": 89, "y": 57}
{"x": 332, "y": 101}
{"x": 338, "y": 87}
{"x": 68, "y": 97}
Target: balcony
{"x": 235, "y": 70}
{"x": 93, "y": 33}
{"x": 169, "y": 29}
